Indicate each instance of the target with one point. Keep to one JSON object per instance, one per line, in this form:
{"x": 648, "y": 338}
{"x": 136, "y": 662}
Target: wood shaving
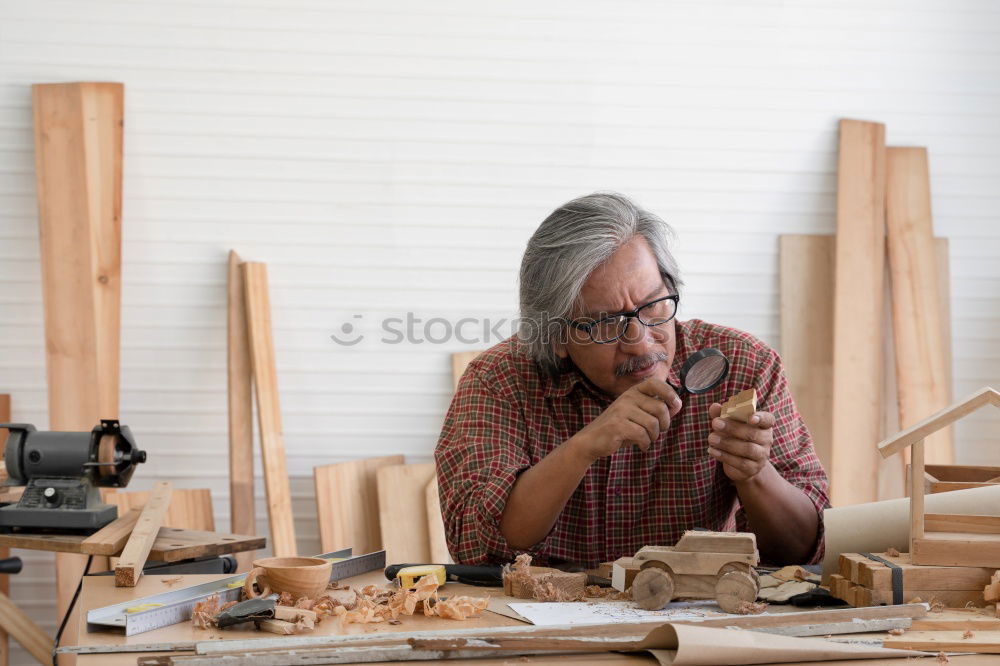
{"x": 891, "y": 552}
{"x": 204, "y": 612}
{"x": 896, "y": 632}
{"x": 751, "y": 608}
{"x": 609, "y": 593}
{"x": 968, "y": 634}
{"x": 942, "y": 658}
{"x": 375, "y": 604}
{"x": 936, "y": 606}
{"x": 286, "y": 599}
{"x": 171, "y": 581}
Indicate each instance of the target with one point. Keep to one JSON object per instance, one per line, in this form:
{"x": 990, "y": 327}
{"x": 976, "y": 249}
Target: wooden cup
{"x": 299, "y": 576}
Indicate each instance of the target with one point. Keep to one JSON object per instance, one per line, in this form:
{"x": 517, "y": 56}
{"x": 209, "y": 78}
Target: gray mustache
{"x": 637, "y": 362}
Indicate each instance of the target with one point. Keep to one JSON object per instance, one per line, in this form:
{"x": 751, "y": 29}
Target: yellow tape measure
{"x": 408, "y": 576}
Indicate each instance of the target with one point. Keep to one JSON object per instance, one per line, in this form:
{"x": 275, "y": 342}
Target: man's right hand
{"x": 637, "y": 416}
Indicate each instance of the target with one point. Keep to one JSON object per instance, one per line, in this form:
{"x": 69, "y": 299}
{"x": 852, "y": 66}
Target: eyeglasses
{"x": 609, "y": 329}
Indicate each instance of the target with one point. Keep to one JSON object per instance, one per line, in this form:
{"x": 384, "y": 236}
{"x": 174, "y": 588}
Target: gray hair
{"x": 572, "y": 242}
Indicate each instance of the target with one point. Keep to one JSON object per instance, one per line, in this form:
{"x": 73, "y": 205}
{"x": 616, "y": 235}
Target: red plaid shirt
{"x": 508, "y": 414}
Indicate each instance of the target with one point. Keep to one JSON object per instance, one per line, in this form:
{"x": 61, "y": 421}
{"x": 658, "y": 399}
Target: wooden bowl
{"x": 299, "y": 576}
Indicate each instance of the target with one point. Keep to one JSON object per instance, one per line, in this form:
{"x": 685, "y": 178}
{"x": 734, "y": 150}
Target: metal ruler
{"x": 161, "y": 610}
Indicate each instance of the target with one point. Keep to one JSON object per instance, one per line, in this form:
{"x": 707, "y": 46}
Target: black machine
{"x": 61, "y": 472}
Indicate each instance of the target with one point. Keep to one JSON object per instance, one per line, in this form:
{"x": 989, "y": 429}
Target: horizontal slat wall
{"x": 386, "y": 157}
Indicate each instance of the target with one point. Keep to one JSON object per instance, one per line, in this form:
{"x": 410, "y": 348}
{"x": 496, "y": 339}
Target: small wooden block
{"x": 277, "y": 627}
{"x": 572, "y": 585}
{"x": 623, "y": 572}
{"x": 741, "y": 406}
{"x": 300, "y": 617}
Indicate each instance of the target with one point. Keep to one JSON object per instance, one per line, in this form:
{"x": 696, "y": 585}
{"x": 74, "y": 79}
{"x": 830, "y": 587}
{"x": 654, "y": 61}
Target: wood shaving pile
{"x": 519, "y": 581}
{"x": 942, "y": 658}
{"x": 891, "y": 552}
{"x": 896, "y": 632}
{"x": 751, "y": 608}
{"x": 968, "y": 634}
{"x": 609, "y": 593}
{"x": 377, "y": 604}
{"x": 204, "y": 612}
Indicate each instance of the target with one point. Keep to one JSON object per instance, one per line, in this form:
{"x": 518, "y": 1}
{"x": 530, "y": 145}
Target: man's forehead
{"x": 604, "y": 307}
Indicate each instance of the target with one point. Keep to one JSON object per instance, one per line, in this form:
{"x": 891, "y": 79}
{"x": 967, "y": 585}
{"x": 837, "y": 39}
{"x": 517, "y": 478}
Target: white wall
{"x": 390, "y": 156}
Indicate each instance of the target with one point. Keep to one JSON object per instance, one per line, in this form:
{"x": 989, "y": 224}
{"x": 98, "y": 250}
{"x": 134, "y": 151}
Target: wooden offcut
{"x": 78, "y": 169}
{"x": 347, "y": 504}
{"x": 857, "y": 311}
{"x": 140, "y": 542}
{"x": 190, "y": 508}
{"x": 172, "y": 544}
{"x": 403, "y": 511}
{"x": 242, "y": 518}
{"x": 921, "y": 354}
{"x": 806, "y": 277}
{"x": 435, "y": 525}
{"x": 272, "y": 443}
{"x": 875, "y": 575}
{"x": 22, "y": 628}
{"x": 111, "y": 539}
{"x": 741, "y": 406}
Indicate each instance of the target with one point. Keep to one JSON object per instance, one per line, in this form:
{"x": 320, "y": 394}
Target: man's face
{"x": 630, "y": 278}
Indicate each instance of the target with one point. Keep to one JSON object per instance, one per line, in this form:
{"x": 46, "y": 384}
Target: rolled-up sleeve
{"x": 792, "y": 452}
{"x": 481, "y": 452}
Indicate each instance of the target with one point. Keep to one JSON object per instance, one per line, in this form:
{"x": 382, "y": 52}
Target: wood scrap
{"x": 242, "y": 518}
{"x": 23, "y": 629}
{"x": 78, "y": 130}
{"x": 858, "y": 312}
{"x": 272, "y": 444}
{"x": 278, "y": 627}
{"x": 523, "y": 581}
{"x": 140, "y": 542}
{"x": 992, "y": 590}
{"x": 741, "y": 406}
{"x": 922, "y": 378}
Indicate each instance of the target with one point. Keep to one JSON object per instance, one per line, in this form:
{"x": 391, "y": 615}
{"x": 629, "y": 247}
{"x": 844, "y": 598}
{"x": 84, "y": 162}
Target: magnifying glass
{"x": 702, "y": 371}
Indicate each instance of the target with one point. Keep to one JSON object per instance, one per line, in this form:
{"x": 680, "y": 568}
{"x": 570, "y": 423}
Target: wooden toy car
{"x": 703, "y": 565}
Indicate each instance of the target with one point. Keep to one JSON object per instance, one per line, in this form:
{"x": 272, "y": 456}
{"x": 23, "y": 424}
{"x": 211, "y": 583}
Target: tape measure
{"x": 408, "y": 576}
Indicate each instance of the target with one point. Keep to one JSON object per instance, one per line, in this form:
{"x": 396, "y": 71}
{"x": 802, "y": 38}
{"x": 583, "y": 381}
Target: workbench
{"x": 99, "y": 591}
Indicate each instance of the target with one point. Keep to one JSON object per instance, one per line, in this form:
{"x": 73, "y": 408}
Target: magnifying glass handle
{"x": 681, "y": 390}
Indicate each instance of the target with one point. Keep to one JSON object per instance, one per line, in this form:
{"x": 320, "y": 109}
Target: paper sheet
{"x": 614, "y": 612}
{"x": 875, "y": 526}
{"x": 691, "y": 645}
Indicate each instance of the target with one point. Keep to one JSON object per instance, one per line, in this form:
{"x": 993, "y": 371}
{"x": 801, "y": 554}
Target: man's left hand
{"x": 744, "y": 449}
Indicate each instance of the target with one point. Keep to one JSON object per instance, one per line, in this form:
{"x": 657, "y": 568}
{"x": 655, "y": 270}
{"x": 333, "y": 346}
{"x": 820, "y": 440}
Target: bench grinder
{"x": 61, "y": 472}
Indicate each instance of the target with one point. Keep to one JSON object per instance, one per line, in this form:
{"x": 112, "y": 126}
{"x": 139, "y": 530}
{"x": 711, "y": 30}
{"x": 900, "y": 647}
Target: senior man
{"x": 568, "y": 441}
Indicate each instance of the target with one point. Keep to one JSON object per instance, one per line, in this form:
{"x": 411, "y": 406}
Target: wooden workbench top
{"x": 99, "y": 591}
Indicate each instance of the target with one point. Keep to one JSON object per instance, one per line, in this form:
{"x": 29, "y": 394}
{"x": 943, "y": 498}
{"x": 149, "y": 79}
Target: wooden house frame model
{"x": 946, "y": 539}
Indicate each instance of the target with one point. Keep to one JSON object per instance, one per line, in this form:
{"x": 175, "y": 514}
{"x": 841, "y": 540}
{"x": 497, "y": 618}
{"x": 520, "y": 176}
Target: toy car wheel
{"x": 735, "y": 591}
{"x": 653, "y": 588}
{"x": 740, "y": 566}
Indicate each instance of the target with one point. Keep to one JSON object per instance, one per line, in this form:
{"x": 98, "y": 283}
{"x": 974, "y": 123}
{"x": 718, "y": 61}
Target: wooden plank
{"x": 279, "y": 498}
{"x": 4, "y": 551}
{"x": 857, "y": 322}
{"x": 934, "y": 422}
{"x": 403, "y": 511}
{"x": 806, "y": 276}
{"x": 171, "y": 545}
{"x": 970, "y": 624}
{"x": 956, "y": 549}
{"x": 242, "y": 518}
{"x": 435, "y": 525}
{"x": 921, "y": 378}
{"x": 190, "y": 508}
{"x": 982, "y": 642}
{"x": 347, "y": 504}
{"x": 110, "y": 539}
{"x": 962, "y": 473}
{"x": 136, "y": 550}
{"x": 459, "y": 362}
{"x": 78, "y": 166}
{"x": 23, "y": 629}
{"x": 947, "y": 522}
{"x": 917, "y": 493}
